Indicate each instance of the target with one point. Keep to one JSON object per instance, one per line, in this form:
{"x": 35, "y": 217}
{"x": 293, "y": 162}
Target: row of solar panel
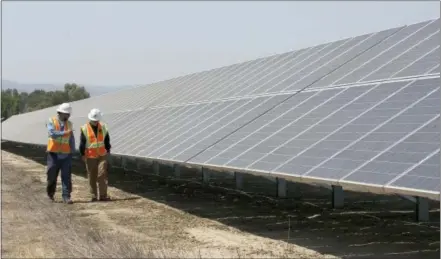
{"x": 369, "y": 134}
{"x": 382, "y": 134}
{"x": 398, "y": 52}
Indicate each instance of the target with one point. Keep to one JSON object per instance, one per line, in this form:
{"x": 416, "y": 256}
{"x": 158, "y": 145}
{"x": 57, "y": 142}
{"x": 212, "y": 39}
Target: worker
{"x": 60, "y": 148}
{"x": 94, "y": 148}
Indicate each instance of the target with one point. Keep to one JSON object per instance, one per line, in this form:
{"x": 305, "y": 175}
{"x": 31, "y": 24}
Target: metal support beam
{"x": 422, "y": 209}
{"x": 138, "y": 164}
{"x": 337, "y": 197}
{"x": 205, "y": 175}
{"x": 281, "y": 188}
{"x": 238, "y": 177}
{"x": 123, "y": 162}
{"x": 177, "y": 170}
{"x": 155, "y": 166}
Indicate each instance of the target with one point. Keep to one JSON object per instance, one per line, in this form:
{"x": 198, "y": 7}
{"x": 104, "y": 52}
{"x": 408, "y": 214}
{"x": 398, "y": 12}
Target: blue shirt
{"x": 55, "y": 133}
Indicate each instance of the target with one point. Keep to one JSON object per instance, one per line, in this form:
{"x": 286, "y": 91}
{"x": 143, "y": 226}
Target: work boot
{"x": 106, "y": 198}
{"x": 67, "y": 201}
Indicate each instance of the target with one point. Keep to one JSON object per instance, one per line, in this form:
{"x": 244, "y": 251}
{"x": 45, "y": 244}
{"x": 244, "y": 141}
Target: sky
{"x": 129, "y": 43}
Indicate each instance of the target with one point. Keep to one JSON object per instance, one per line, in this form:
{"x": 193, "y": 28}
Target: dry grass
{"x": 34, "y": 227}
{"x": 129, "y": 227}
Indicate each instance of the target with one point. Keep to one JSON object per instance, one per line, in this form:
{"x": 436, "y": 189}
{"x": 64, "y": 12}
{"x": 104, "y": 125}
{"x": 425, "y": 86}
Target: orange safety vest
{"x": 59, "y": 144}
{"x": 94, "y": 144}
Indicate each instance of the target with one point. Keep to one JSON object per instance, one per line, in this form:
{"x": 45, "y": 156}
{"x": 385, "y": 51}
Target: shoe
{"x": 68, "y": 201}
{"x": 107, "y": 198}
{"x": 51, "y": 197}
{"x": 93, "y": 199}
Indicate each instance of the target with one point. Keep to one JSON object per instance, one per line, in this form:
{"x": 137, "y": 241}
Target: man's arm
{"x": 107, "y": 142}
{"x": 82, "y": 147}
{"x": 51, "y": 129}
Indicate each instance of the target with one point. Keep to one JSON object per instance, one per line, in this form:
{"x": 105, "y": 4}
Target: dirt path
{"x": 130, "y": 226}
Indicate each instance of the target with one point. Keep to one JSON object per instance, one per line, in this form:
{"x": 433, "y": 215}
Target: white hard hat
{"x": 65, "y": 108}
{"x": 94, "y": 115}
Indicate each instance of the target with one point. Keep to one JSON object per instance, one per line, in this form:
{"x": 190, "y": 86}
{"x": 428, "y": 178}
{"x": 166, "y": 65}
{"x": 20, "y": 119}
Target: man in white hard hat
{"x": 94, "y": 148}
{"x": 60, "y": 147}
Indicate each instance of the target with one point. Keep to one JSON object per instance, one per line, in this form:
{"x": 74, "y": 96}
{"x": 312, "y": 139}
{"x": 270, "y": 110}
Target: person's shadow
{"x": 112, "y": 199}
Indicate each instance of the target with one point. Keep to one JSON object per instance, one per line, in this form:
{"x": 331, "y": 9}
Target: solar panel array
{"x": 362, "y": 111}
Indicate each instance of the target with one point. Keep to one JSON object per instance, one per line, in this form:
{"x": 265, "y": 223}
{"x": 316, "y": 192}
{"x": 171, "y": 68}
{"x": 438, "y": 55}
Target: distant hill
{"x": 93, "y": 90}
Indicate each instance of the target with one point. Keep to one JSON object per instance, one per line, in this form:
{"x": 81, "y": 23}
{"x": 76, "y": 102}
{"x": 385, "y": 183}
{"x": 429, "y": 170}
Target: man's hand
{"x": 83, "y": 158}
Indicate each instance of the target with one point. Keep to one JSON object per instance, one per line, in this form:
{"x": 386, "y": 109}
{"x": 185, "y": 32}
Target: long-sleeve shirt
{"x": 83, "y": 140}
{"x": 53, "y": 133}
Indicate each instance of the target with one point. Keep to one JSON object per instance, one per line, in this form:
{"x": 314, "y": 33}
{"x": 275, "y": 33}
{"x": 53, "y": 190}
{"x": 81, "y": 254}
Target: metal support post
{"x": 281, "y": 187}
{"x": 177, "y": 170}
{"x": 123, "y": 162}
{"x": 337, "y": 197}
{"x": 238, "y": 177}
{"x": 205, "y": 175}
{"x": 422, "y": 209}
{"x": 155, "y": 166}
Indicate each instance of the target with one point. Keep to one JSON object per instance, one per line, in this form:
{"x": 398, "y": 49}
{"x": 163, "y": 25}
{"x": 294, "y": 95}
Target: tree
{"x": 75, "y": 92}
{"x": 14, "y": 102}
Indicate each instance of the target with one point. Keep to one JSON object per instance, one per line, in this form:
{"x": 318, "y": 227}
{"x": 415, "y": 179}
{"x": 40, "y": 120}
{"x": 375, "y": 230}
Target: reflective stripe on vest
{"x": 94, "y": 144}
{"x": 59, "y": 144}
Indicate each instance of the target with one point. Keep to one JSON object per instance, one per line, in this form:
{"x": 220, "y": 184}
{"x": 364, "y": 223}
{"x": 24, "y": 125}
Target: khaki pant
{"x": 97, "y": 172}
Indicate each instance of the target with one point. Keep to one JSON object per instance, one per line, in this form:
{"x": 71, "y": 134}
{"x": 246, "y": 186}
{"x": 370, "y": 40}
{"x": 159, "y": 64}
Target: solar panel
{"x": 386, "y": 133}
{"x": 196, "y": 138}
{"x": 362, "y": 110}
{"x": 379, "y": 55}
{"x": 423, "y": 175}
{"x": 331, "y": 61}
{"x": 196, "y": 115}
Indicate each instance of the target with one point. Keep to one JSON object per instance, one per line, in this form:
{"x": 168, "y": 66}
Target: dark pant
{"x": 54, "y": 165}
